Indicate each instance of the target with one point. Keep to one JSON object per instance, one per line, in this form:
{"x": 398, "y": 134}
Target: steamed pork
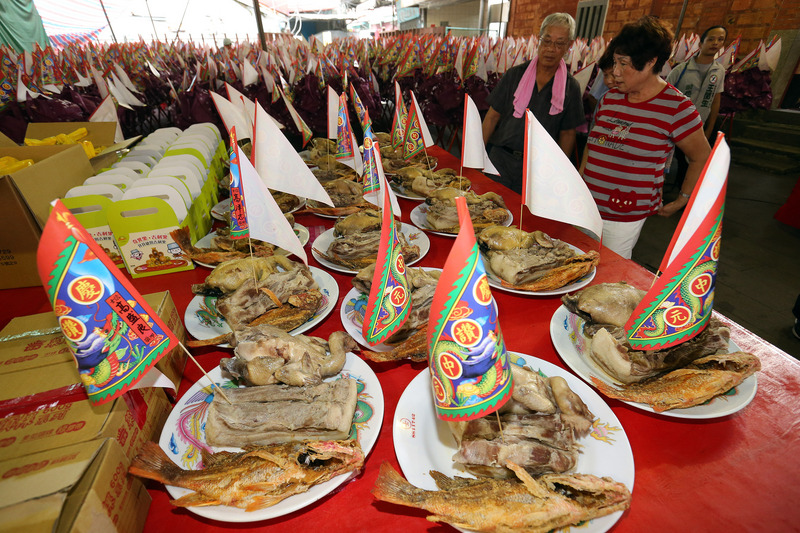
{"x": 606, "y": 307}
{"x": 484, "y": 209}
{"x": 270, "y": 414}
{"x": 358, "y": 240}
{"x": 258, "y": 477}
{"x": 541, "y": 424}
{"x": 527, "y": 504}
{"x": 533, "y": 261}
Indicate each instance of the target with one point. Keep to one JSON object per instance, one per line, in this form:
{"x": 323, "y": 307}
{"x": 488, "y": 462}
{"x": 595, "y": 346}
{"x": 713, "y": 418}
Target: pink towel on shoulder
{"x": 522, "y": 96}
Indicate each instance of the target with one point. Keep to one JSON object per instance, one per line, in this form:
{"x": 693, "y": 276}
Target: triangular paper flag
{"x": 265, "y": 220}
{"x": 473, "y": 150}
{"x": 107, "y": 112}
{"x": 281, "y": 168}
{"x": 389, "y": 299}
{"x": 551, "y": 185}
{"x": 467, "y": 358}
{"x": 113, "y": 334}
{"x": 232, "y": 116}
{"x": 423, "y": 127}
{"x": 679, "y": 304}
{"x": 333, "y": 113}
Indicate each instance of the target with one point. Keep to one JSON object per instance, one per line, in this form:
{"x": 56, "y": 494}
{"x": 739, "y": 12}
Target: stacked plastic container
{"x": 168, "y": 180}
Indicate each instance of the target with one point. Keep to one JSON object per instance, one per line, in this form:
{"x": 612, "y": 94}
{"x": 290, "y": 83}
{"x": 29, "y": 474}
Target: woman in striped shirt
{"x": 636, "y": 127}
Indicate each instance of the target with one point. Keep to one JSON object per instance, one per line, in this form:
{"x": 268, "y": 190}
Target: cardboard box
{"x": 25, "y": 198}
{"x": 43, "y": 403}
{"x": 17, "y": 247}
{"x": 56, "y": 170}
{"x": 36, "y": 342}
{"x": 77, "y": 488}
{"x": 99, "y": 133}
{"x": 35, "y": 416}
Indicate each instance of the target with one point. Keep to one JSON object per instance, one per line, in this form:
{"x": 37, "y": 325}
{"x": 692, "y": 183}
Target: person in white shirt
{"x": 702, "y": 79}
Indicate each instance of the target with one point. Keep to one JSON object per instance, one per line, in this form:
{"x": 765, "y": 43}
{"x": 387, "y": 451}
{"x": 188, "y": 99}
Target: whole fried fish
{"x": 258, "y": 477}
{"x": 542, "y": 504}
{"x": 692, "y": 385}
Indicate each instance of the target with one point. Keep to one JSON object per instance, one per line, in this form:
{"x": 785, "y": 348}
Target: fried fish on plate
{"x": 692, "y": 385}
{"x": 527, "y": 504}
{"x": 258, "y": 477}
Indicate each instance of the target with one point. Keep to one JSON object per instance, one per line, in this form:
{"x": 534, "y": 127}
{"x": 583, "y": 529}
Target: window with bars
{"x": 591, "y": 18}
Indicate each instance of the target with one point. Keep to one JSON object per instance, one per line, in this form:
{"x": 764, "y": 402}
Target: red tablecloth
{"x": 737, "y": 473}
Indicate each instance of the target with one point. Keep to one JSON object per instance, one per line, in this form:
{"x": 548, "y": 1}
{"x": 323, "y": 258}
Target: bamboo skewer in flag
{"x": 389, "y": 299}
{"x": 551, "y": 185}
{"x": 113, "y": 334}
{"x": 467, "y": 358}
{"x": 679, "y": 304}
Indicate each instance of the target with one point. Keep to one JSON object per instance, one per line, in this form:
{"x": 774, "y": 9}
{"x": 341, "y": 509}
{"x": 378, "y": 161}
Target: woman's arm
{"x": 696, "y": 149}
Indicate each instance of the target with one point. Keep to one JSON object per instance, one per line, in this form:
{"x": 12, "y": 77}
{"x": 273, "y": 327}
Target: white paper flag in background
{"x": 473, "y": 151}
{"x": 279, "y": 165}
{"x": 264, "y": 217}
{"x": 583, "y": 76}
{"x": 232, "y": 116}
{"x": 551, "y": 185}
{"x": 107, "y": 112}
{"x": 333, "y": 113}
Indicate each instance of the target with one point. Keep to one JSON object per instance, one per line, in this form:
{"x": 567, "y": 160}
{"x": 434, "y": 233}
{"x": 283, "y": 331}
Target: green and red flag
{"x": 678, "y": 306}
{"x": 467, "y": 357}
{"x": 113, "y": 334}
{"x": 400, "y": 118}
{"x": 389, "y": 297}
{"x": 239, "y": 226}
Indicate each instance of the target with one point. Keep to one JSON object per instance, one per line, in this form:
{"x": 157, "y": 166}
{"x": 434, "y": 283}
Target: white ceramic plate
{"x": 224, "y": 206}
{"x": 203, "y": 321}
{"x": 566, "y": 332}
{"x": 419, "y": 217}
{"x": 412, "y": 236}
{"x": 422, "y": 442}
{"x": 352, "y": 314}
{"x": 494, "y": 280}
{"x": 402, "y": 192}
{"x": 184, "y": 434}
{"x": 299, "y": 230}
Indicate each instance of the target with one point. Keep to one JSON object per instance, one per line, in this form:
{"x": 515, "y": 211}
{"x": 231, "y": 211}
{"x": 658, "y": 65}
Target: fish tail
{"x": 153, "y": 463}
{"x": 391, "y": 487}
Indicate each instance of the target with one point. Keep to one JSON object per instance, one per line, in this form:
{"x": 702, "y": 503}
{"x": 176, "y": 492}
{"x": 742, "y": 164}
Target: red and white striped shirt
{"x": 628, "y": 148}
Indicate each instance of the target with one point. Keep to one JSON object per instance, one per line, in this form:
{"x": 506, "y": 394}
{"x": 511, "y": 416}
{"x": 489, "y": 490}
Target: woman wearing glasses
{"x": 635, "y": 129}
{"x": 542, "y": 85}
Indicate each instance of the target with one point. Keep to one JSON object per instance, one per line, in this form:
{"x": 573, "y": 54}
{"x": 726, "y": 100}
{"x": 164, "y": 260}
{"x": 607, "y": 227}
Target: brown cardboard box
{"x": 17, "y": 247}
{"x": 6, "y": 141}
{"x": 99, "y": 133}
{"x": 56, "y": 170}
{"x": 38, "y": 414}
{"x": 38, "y": 342}
{"x": 78, "y": 488}
{"x": 25, "y": 198}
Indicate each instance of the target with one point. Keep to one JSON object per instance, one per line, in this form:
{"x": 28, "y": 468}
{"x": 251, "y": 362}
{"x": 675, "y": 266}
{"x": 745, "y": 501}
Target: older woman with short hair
{"x": 636, "y": 127}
